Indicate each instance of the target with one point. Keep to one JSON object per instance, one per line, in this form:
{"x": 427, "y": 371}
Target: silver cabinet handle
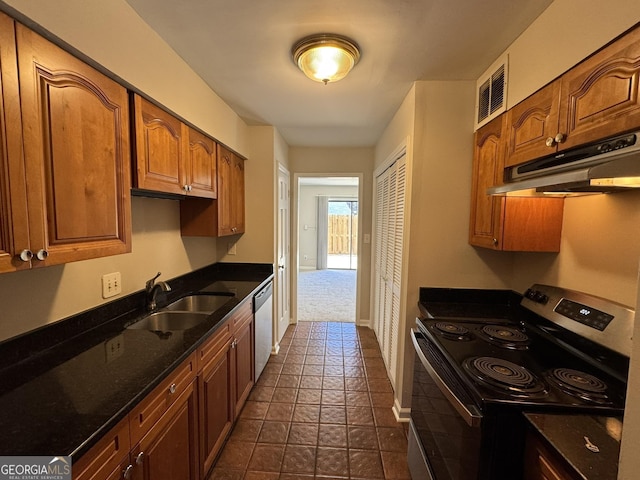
{"x": 126, "y": 474}
{"x": 140, "y": 458}
{"x": 172, "y": 388}
{"x": 42, "y": 254}
{"x": 26, "y": 255}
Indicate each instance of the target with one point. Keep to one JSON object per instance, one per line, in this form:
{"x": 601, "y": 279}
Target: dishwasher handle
{"x": 262, "y": 296}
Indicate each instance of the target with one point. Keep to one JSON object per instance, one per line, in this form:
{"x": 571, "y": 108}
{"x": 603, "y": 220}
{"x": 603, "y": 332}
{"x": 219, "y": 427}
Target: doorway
{"x": 327, "y": 246}
{"x": 342, "y": 234}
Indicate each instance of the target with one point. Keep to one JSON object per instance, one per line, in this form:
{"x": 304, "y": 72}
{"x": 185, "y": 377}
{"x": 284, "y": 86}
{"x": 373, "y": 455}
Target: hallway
{"x": 321, "y": 409}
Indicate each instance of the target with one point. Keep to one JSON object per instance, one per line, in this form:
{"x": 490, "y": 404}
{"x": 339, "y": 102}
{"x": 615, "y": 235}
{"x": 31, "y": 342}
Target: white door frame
{"x": 295, "y": 231}
{"x": 282, "y": 305}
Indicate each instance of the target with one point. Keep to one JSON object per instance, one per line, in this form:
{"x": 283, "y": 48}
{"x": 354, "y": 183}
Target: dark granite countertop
{"x": 565, "y": 434}
{"x": 59, "y": 390}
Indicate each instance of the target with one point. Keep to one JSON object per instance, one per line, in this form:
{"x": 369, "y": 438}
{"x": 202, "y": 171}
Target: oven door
{"x": 445, "y": 430}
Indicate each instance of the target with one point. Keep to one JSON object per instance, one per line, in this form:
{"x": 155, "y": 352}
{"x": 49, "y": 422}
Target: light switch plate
{"x": 111, "y": 285}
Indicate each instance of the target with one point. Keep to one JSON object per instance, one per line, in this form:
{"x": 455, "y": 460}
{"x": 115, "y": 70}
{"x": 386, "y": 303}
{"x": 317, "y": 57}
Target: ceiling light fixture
{"x": 325, "y": 57}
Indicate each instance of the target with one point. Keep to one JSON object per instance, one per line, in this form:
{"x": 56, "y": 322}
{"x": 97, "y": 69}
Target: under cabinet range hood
{"x": 610, "y": 165}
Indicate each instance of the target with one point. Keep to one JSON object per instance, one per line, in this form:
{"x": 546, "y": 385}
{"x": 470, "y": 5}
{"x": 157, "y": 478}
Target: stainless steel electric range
{"x": 483, "y": 357}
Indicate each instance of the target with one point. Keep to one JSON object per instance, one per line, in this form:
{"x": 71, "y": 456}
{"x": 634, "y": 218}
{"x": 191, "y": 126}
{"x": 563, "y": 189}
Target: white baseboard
{"x": 363, "y": 322}
{"x": 401, "y": 414}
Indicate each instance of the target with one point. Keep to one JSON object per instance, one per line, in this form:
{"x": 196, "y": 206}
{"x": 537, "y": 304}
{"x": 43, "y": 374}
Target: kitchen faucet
{"x": 152, "y": 290}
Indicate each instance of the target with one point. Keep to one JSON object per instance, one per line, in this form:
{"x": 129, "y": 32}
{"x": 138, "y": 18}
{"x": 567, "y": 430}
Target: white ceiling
{"x": 241, "y": 48}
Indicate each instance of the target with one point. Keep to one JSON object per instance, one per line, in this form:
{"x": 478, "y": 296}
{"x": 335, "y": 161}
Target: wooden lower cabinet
{"x": 244, "y": 355}
{"x": 108, "y": 459}
{"x": 541, "y": 463}
{"x": 178, "y": 430}
{"x": 215, "y": 389}
{"x": 169, "y": 451}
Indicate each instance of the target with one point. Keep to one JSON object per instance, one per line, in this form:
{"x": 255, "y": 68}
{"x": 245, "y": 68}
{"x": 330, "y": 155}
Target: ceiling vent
{"x": 491, "y": 97}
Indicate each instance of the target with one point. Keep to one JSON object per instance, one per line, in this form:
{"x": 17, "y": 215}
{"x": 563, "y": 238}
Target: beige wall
{"x": 257, "y": 244}
{"x": 564, "y": 34}
{"x": 349, "y": 161}
{"x": 437, "y": 118}
{"x": 113, "y": 35}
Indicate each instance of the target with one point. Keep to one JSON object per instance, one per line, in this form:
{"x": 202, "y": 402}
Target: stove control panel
{"x": 602, "y": 321}
{"x": 584, "y": 314}
{"x": 536, "y": 295}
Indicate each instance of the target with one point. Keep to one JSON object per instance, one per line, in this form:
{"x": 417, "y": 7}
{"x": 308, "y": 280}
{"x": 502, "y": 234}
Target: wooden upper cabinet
{"x": 231, "y": 192}
{"x": 508, "y": 223}
{"x": 599, "y": 97}
{"x": 199, "y": 217}
{"x": 161, "y": 149}
{"x": 488, "y": 160}
{"x": 530, "y": 123}
{"x": 14, "y": 230}
{"x": 171, "y": 157}
{"x": 202, "y": 167}
{"x": 76, "y": 152}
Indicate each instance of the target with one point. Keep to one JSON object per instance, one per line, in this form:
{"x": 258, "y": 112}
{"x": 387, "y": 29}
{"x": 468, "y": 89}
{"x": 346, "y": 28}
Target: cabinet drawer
{"x": 149, "y": 411}
{"x": 209, "y": 349}
{"x": 242, "y": 316}
{"x": 108, "y": 455}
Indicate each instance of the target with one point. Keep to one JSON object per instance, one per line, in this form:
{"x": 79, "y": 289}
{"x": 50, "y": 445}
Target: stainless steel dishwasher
{"x": 263, "y": 315}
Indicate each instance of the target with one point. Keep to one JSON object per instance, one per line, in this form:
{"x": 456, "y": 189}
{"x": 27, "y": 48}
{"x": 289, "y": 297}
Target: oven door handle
{"x": 469, "y": 413}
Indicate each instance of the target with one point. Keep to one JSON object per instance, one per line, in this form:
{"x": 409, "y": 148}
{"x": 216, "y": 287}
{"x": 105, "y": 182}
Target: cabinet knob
{"x": 560, "y": 138}
{"x": 185, "y": 188}
{"x": 140, "y": 458}
{"x": 233, "y": 344}
{"x": 495, "y": 241}
{"x": 26, "y": 255}
{"x": 126, "y": 474}
{"x": 42, "y": 254}
{"x": 172, "y": 388}
{"x": 550, "y": 142}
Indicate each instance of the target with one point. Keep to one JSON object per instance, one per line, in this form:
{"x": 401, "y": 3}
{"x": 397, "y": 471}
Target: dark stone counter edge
{"x": 42, "y": 341}
{"x": 603, "y": 466}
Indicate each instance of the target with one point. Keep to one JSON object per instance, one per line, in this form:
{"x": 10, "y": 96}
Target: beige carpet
{"x": 327, "y": 296}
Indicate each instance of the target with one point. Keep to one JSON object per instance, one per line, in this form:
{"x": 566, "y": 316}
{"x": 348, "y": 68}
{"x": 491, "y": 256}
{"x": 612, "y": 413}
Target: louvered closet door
{"x": 390, "y": 201}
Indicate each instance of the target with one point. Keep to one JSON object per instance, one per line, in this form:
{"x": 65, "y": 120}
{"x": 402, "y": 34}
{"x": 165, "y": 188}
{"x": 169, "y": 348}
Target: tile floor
{"x": 321, "y": 409}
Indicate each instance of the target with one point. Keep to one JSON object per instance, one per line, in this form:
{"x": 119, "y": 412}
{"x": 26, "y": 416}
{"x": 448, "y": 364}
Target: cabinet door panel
{"x": 601, "y": 95}
{"x": 170, "y": 448}
{"x": 237, "y": 193}
{"x": 244, "y": 365}
{"x": 202, "y": 165}
{"x": 530, "y": 123}
{"x": 76, "y": 145}
{"x": 216, "y": 406}
{"x": 160, "y": 149}
{"x": 13, "y": 195}
{"x": 485, "y": 225}
{"x": 225, "y": 196}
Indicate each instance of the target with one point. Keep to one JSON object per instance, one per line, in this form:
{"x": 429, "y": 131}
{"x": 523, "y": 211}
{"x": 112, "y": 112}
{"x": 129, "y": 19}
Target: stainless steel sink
{"x": 166, "y": 321}
{"x": 199, "y": 303}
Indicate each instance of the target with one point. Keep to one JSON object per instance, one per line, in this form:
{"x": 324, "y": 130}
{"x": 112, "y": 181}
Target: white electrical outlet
{"x": 114, "y": 348}
{"x": 111, "y": 284}
{"x": 231, "y": 250}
